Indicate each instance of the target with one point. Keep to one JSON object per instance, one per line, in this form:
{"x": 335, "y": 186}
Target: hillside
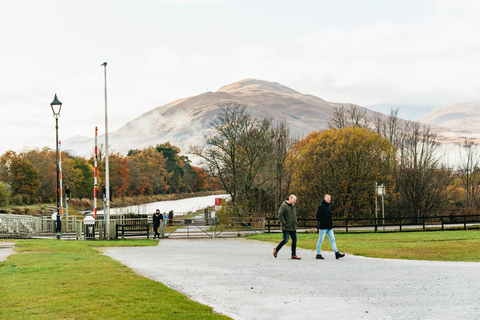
{"x": 185, "y": 122}
{"x": 455, "y": 122}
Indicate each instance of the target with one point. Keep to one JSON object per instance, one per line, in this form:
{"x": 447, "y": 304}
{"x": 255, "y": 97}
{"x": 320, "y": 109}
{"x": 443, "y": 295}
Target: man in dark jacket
{"x": 157, "y": 220}
{"x": 325, "y": 226}
{"x": 288, "y": 221}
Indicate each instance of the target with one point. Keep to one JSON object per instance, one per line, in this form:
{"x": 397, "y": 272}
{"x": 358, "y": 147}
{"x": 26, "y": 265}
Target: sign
{"x": 381, "y": 190}
{"x": 218, "y": 204}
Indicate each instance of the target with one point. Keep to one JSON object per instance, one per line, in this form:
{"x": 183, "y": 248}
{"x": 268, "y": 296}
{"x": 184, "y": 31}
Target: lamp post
{"x": 56, "y": 107}
{"x": 107, "y": 174}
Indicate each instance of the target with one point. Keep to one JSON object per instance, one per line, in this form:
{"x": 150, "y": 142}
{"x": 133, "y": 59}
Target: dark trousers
{"x": 155, "y": 228}
{"x": 286, "y": 235}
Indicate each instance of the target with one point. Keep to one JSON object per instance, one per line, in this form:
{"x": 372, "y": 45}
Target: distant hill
{"x": 455, "y": 122}
{"x": 186, "y": 121}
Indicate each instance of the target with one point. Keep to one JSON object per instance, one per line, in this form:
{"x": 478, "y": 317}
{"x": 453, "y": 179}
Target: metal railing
{"x": 390, "y": 224}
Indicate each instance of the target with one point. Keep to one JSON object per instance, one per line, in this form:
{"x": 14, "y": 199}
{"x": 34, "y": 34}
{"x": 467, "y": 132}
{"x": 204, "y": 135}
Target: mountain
{"x": 458, "y": 121}
{"x": 186, "y": 121}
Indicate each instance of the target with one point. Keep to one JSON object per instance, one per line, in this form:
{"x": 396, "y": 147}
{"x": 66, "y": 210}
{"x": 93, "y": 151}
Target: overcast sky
{"x": 415, "y": 54}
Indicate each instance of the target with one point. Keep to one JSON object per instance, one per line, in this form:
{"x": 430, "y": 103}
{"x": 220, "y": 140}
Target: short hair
{"x": 326, "y": 194}
{"x": 292, "y": 196}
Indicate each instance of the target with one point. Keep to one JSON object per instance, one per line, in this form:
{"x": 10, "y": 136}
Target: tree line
{"x": 30, "y": 177}
{"x": 259, "y": 163}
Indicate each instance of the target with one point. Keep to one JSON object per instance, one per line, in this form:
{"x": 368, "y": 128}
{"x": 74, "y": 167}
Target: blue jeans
{"x": 321, "y": 237}
{"x": 286, "y": 235}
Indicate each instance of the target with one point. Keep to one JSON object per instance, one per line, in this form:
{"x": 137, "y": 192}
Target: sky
{"x": 416, "y": 55}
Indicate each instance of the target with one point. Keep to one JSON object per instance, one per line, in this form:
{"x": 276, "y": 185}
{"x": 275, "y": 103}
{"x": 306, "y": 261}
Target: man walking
{"x": 325, "y": 223}
{"x": 288, "y": 221}
{"x": 157, "y": 220}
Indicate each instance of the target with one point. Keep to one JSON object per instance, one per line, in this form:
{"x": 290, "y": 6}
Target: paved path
{"x": 6, "y": 249}
{"x": 240, "y": 278}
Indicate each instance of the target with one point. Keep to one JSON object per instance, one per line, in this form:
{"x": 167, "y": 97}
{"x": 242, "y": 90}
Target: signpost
{"x": 380, "y": 191}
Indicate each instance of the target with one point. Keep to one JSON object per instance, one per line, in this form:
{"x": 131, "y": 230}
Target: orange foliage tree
{"x": 345, "y": 163}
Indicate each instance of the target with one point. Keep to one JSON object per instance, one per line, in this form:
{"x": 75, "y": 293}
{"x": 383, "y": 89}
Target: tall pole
{"x": 107, "y": 174}
{"x": 54, "y": 105}
{"x": 95, "y": 179}
{"x": 376, "y": 207}
{"x": 59, "y": 226}
{"x": 61, "y": 177}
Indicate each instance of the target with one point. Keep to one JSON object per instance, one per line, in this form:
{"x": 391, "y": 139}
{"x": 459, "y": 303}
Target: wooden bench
{"x": 133, "y": 230}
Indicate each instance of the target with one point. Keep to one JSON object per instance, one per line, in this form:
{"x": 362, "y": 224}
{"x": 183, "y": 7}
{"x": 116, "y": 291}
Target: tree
{"x": 237, "y": 152}
{"x": 201, "y": 179}
{"x": 421, "y": 177}
{"x": 345, "y": 163}
{"x": 348, "y": 115}
{"x": 24, "y": 178}
{"x": 469, "y": 173}
{"x": 174, "y": 165}
{"x": 148, "y": 174}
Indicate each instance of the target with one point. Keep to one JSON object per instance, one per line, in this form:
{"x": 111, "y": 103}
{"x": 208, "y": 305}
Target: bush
{"x": 4, "y": 194}
{"x": 17, "y": 200}
{"x": 82, "y": 204}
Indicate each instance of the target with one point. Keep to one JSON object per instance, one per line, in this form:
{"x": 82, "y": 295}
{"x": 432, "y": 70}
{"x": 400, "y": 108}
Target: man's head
{"x": 158, "y": 211}
{"x": 327, "y": 198}
{"x": 292, "y": 199}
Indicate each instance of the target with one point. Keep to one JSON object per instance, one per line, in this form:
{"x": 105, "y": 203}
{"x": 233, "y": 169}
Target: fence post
{"x": 400, "y": 224}
{"x": 268, "y": 220}
{"x": 465, "y": 222}
{"x": 263, "y": 228}
{"x": 442, "y": 223}
{"x": 423, "y": 223}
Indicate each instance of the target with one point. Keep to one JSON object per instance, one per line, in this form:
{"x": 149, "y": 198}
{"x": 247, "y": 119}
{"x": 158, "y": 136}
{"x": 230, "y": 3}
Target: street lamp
{"x": 56, "y": 107}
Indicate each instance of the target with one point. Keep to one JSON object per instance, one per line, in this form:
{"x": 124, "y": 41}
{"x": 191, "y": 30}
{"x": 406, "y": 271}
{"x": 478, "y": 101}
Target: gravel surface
{"x": 6, "y": 249}
{"x": 241, "y": 278}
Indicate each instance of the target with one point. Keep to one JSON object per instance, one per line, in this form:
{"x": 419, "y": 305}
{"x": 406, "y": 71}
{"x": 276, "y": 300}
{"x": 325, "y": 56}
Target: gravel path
{"x": 6, "y": 249}
{"x": 241, "y": 278}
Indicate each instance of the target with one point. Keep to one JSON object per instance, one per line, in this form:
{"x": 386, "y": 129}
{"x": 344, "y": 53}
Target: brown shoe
{"x": 275, "y": 252}
{"x": 296, "y": 258}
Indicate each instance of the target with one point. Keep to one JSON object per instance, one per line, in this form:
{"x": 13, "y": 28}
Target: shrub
{"x": 4, "y": 194}
{"x": 17, "y": 199}
{"x": 81, "y": 204}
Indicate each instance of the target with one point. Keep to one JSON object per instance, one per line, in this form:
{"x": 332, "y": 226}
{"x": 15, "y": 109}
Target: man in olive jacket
{"x": 288, "y": 221}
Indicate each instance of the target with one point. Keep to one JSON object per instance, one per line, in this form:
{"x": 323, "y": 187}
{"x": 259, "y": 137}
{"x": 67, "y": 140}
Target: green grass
{"x": 432, "y": 246}
{"x": 51, "y": 279}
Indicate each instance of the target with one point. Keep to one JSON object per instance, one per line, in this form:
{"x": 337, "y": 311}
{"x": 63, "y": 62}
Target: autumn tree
{"x": 23, "y": 175}
{"x": 345, "y": 163}
{"x": 148, "y": 172}
{"x": 45, "y": 162}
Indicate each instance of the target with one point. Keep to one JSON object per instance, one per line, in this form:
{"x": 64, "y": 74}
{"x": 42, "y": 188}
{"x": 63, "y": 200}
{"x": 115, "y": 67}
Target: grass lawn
{"x": 52, "y": 279}
{"x": 433, "y": 246}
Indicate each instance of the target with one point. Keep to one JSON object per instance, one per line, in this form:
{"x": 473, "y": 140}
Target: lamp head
{"x": 56, "y": 106}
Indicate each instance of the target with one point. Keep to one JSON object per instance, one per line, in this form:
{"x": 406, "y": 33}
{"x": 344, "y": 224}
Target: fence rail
{"x": 398, "y": 223}
{"x": 204, "y": 226}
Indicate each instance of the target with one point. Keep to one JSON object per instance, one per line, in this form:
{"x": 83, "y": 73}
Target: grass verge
{"x": 432, "y": 246}
{"x": 51, "y": 279}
